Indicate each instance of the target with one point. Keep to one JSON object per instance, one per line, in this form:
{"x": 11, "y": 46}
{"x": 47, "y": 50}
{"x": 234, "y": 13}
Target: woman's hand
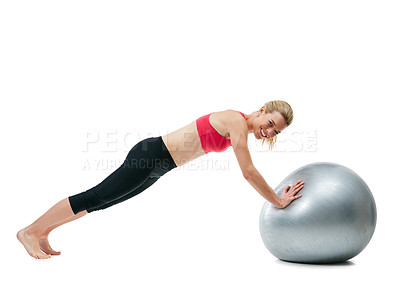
{"x": 289, "y": 194}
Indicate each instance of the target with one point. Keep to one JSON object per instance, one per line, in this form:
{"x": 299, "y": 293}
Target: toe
{"x": 44, "y": 256}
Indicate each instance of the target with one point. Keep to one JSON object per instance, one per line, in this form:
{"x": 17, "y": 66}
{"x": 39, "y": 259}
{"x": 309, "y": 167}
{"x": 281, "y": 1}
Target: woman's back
{"x": 186, "y": 144}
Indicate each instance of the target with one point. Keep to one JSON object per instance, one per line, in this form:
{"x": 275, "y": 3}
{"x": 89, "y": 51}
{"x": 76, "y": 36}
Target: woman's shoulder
{"x": 230, "y": 113}
{"x": 228, "y": 118}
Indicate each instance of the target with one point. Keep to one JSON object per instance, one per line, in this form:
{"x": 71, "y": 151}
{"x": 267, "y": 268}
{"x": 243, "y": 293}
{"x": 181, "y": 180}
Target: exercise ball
{"x": 332, "y": 222}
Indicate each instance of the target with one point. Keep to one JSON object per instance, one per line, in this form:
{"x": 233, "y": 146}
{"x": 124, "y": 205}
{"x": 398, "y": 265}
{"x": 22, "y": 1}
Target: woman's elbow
{"x": 249, "y": 173}
{"x": 246, "y": 175}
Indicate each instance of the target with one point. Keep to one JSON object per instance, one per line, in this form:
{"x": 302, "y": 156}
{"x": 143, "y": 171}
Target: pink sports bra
{"x": 210, "y": 139}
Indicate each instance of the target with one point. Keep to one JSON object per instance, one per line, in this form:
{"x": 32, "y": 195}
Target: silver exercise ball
{"x": 332, "y": 222}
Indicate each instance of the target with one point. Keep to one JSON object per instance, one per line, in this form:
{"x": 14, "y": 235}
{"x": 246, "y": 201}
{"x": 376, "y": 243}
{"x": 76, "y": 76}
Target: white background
{"x": 133, "y": 68}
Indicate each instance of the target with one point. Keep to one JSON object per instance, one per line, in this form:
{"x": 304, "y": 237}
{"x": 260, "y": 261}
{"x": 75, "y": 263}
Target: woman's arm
{"x": 238, "y": 134}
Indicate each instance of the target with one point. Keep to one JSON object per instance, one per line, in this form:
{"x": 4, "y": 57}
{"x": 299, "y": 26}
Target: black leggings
{"x": 145, "y": 163}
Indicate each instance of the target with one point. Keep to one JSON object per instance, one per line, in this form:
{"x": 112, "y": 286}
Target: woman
{"x": 151, "y": 158}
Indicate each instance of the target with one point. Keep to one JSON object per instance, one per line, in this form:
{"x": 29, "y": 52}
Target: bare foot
{"x": 45, "y": 246}
{"x": 31, "y": 244}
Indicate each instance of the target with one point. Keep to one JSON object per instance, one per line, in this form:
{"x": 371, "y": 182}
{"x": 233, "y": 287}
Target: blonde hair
{"x": 285, "y": 110}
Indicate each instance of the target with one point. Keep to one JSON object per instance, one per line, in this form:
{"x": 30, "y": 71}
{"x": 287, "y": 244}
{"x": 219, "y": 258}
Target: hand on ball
{"x": 289, "y": 194}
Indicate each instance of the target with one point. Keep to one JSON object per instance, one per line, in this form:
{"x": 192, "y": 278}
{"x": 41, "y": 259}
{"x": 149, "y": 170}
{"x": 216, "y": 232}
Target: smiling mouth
{"x": 263, "y": 134}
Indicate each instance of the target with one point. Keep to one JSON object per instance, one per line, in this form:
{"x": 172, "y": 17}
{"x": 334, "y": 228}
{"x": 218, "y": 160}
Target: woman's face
{"x": 267, "y": 125}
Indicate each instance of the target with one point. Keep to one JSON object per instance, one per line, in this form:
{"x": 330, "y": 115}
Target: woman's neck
{"x": 249, "y": 120}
